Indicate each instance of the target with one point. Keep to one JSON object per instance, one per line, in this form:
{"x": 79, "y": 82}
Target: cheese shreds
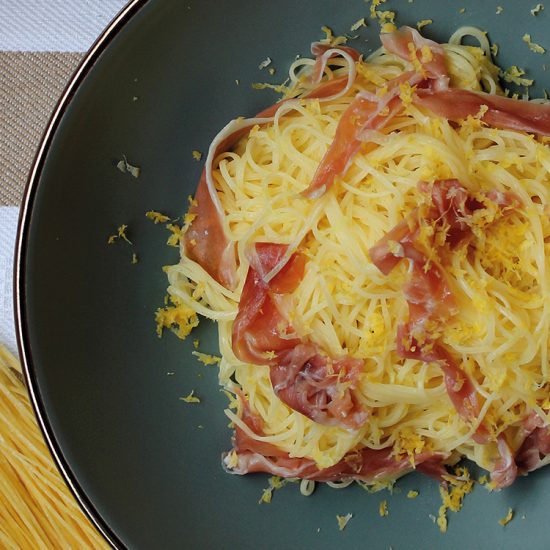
{"x": 358, "y": 24}
{"x": 191, "y": 398}
{"x": 343, "y": 521}
{"x": 507, "y": 518}
{"x": 156, "y": 217}
{"x": 421, "y": 24}
{"x": 537, "y": 9}
{"x": 206, "y": 359}
{"x": 533, "y": 46}
{"x": 197, "y": 155}
{"x": 383, "y": 509}
{"x": 412, "y": 494}
{"x": 124, "y": 166}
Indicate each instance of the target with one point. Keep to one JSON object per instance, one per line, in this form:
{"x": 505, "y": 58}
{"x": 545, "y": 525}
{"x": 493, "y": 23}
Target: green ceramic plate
{"x": 144, "y": 464}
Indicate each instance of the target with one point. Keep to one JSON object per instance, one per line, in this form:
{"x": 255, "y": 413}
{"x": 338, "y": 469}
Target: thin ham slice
{"x": 205, "y": 241}
{"x": 307, "y": 380}
{"x": 368, "y": 465}
{"x": 427, "y": 55}
{"x": 428, "y": 294}
{"x": 502, "y": 112}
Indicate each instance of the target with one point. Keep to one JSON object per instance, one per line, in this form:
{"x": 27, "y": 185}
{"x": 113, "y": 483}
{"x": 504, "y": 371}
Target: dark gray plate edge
{"x": 19, "y": 275}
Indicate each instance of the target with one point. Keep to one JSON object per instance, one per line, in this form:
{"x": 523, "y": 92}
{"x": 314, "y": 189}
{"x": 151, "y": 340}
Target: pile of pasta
{"x": 38, "y": 510}
{"x": 445, "y": 195}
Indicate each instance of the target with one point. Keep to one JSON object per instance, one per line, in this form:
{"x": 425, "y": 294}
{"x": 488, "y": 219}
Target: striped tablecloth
{"x": 41, "y": 44}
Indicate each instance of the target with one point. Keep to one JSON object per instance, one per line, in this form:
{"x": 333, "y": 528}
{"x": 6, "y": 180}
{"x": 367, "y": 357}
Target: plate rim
{"x": 119, "y": 21}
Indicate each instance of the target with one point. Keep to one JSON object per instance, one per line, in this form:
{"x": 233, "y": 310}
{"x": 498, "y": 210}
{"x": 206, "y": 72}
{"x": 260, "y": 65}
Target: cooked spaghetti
{"x": 374, "y": 249}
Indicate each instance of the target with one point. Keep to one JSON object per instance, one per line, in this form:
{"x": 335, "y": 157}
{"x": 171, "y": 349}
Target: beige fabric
{"x": 30, "y": 85}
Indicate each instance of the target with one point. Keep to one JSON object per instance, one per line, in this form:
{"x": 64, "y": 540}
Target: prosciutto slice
{"x": 501, "y": 112}
{"x": 428, "y": 294}
{"x": 308, "y": 381}
{"x": 371, "y": 112}
{"x": 205, "y": 241}
{"x": 426, "y": 55}
{"x": 365, "y": 465}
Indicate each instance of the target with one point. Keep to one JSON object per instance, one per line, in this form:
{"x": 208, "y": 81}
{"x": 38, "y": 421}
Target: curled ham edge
{"x": 367, "y": 465}
{"x": 231, "y": 133}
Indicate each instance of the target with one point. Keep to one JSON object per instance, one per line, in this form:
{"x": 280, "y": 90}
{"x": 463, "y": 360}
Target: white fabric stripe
{"x": 54, "y": 25}
{"x": 8, "y": 228}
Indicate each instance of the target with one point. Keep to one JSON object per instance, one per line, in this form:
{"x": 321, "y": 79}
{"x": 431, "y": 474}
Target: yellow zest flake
{"x": 179, "y": 318}
{"x": 191, "y": 398}
{"x": 121, "y": 234}
{"x": 421, "y": 24}
{"x": 412, "y": 494}
{"x": 409, "y": 443}
{"x": 270, "y": 355}
{"x": 452, "y": 499}
{"x": 275, "y": 483}
{"x": 500, "y": 9}
{"x": 513, "y": 74}
{"x": 196, "y": 343}
{"x": 533, "y": 46}
{"x": 374, "y": 4}
{"x": 156, "y": 217}
{"x": 187, "y": 221}
{"x": 177, "y": 233}
{"x": 388, "y": 28}
{"x": 343, "y": 521}
{"x": 494, "y": 49}
{"x": 358, "y": 24}
{"x": 197, "y": 155}
{"x": 232, "y": 459}
{"x": 507, "y": 518}
{"x": 331, "y": 39}
{"x": 406, "y": 92}
{"x": 192, "y": 201}
{"x": 279, "y": 88}
{"x": 206, "y": 359}
{"x": 537, "y": 9}
{"x": 462, "y": 10}
{"x": 134, "y": 258}
{"x": 383, "y": 509}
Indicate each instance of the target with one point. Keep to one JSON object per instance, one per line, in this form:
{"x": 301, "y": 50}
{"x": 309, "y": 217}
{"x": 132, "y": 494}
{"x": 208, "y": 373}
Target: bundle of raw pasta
{"x": 38, "y": 510}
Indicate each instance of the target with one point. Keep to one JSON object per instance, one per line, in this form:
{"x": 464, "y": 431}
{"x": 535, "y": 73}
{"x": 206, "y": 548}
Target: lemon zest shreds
{"x": 275, "y": 483}
{"x": 121, "y": 234}
{"x": 383, "y": 509}
{"x": 513, "y": 75}
{"x": 343, "y": 521}
{"x": 156, "y": 217}
{"x": 206, "y": 359}
{"x": 331, "y": 39}
{"x": 358, "y": 24}
{"x": 412, "y": 494}
{"x": 507, "y": 518}
{"x": 177, "y": 233}
{"x": 500, "y": 9}
{"x": 279, "y": 88}
{"x": 191, "y": 398}
{"x": 197, "y": 155}
{"x": 533, "y": 46}
{"x": 452, "y": 498}
{"x": 134, "y": 258}
{"x": 196, "y": 343}
{"x": 179, "y": 318}
{"x": 421, "y": 24}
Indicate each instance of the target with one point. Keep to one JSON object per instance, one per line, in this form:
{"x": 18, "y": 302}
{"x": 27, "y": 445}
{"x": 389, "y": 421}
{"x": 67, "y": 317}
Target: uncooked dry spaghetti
{"x": 38, "y": 510}
{"x": 374, "y": 249}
